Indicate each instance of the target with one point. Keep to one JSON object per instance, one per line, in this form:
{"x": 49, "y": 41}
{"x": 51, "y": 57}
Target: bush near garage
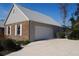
{"x": 22, "y": 42}
{"x": 74, "y": 35}
{"x": 61, "y": 34}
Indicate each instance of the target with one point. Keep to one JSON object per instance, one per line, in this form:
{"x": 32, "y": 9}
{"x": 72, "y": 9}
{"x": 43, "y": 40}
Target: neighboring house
{"x": 1, "y": 29}
{"x": 26, "y": 24}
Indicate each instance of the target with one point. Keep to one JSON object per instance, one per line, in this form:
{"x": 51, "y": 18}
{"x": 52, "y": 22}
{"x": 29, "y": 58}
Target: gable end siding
{"x": 16, "y": 15}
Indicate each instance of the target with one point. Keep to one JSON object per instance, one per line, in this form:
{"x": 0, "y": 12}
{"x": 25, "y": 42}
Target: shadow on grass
{"x": 5, "y": 52}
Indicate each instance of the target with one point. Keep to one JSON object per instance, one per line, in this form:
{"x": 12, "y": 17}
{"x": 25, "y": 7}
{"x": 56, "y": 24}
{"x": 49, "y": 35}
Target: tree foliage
{"x": 77, "y": 10}
{"x": 74, "y": 35}
{"x": 72, "y": 22}
{"x": 64, "y": 11}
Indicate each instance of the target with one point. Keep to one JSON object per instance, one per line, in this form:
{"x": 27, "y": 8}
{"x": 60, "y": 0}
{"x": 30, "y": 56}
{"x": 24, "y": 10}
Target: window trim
{"x": 7, "y": 29}
{"x": 20, "y": 29}
{"x": 17, "y": 29}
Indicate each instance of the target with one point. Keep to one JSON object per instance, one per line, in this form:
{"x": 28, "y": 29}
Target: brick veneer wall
{"x": 25, "y": 31}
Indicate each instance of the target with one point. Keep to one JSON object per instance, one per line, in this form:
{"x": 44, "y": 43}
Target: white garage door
{"x": 42, "y": 32}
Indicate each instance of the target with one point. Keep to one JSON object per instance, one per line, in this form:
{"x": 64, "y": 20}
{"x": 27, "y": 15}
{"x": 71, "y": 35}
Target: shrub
{"x": 9, "y": 44}
{"x": 61, "y": 34}
{"x": 12, "y": 45}
{"x": 1, "y": 47}
{"x": 74, "y": 35}
{"x": 22, "y": 42}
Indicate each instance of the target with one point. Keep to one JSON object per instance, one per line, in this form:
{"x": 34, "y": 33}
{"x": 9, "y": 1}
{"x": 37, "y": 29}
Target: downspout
{"x": 29, "y": 30}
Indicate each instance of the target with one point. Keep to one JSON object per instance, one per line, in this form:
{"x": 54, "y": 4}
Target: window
{"x": 1, "y": 30}
{"x": 18, "y": 29}
{"x": 8, "y": 30}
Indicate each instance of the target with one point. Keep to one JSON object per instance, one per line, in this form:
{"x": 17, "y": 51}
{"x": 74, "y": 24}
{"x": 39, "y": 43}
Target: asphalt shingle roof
{"x": 38, "y": 17}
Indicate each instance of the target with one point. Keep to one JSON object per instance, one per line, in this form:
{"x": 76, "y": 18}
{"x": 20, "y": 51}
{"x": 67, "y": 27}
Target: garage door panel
{"x": 43, "y": 32}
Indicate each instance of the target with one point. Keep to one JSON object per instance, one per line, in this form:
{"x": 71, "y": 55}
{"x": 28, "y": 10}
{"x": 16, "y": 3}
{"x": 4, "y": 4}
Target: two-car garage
{"x": 41, "y": 31}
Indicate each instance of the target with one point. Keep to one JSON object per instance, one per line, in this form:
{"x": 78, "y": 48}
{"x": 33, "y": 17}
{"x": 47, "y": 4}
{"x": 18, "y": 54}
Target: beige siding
{"x": 16, "y": 15}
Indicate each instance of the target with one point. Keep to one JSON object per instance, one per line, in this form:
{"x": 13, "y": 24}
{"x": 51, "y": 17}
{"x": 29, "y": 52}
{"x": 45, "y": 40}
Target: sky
{"x": 50, "y": 9}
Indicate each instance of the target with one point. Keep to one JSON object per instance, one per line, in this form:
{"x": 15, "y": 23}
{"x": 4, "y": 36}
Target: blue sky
{"x": 50, "y": 9}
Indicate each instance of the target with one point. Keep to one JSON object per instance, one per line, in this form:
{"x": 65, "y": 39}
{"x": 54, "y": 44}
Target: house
{"x": 1, "y": 29}
{"x": 25, "y": 24}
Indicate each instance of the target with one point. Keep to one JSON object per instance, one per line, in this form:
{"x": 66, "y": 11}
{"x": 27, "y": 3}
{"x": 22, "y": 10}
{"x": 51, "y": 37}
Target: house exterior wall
{"x": 28, "y": 30}
{"x": 1, "y": 33}
{"x": 25, "y": 31}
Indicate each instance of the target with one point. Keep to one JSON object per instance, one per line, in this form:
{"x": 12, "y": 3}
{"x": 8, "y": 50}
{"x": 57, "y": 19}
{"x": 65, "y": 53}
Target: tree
{"x": 74, "y": 34}
{"x": 77, "y": 10}
{"x": 75, "y": 25}
{"x": 64, "y": 11}
{"x": 77, "y": 17}
{"x": 73, "y": 22}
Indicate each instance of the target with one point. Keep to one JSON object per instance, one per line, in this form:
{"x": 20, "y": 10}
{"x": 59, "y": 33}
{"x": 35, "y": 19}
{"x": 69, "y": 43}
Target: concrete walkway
{"x": 54, "y": 47}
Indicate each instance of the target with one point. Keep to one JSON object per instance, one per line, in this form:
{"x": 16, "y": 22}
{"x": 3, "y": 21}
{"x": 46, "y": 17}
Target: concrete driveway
{"x": 54, "y": 47}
